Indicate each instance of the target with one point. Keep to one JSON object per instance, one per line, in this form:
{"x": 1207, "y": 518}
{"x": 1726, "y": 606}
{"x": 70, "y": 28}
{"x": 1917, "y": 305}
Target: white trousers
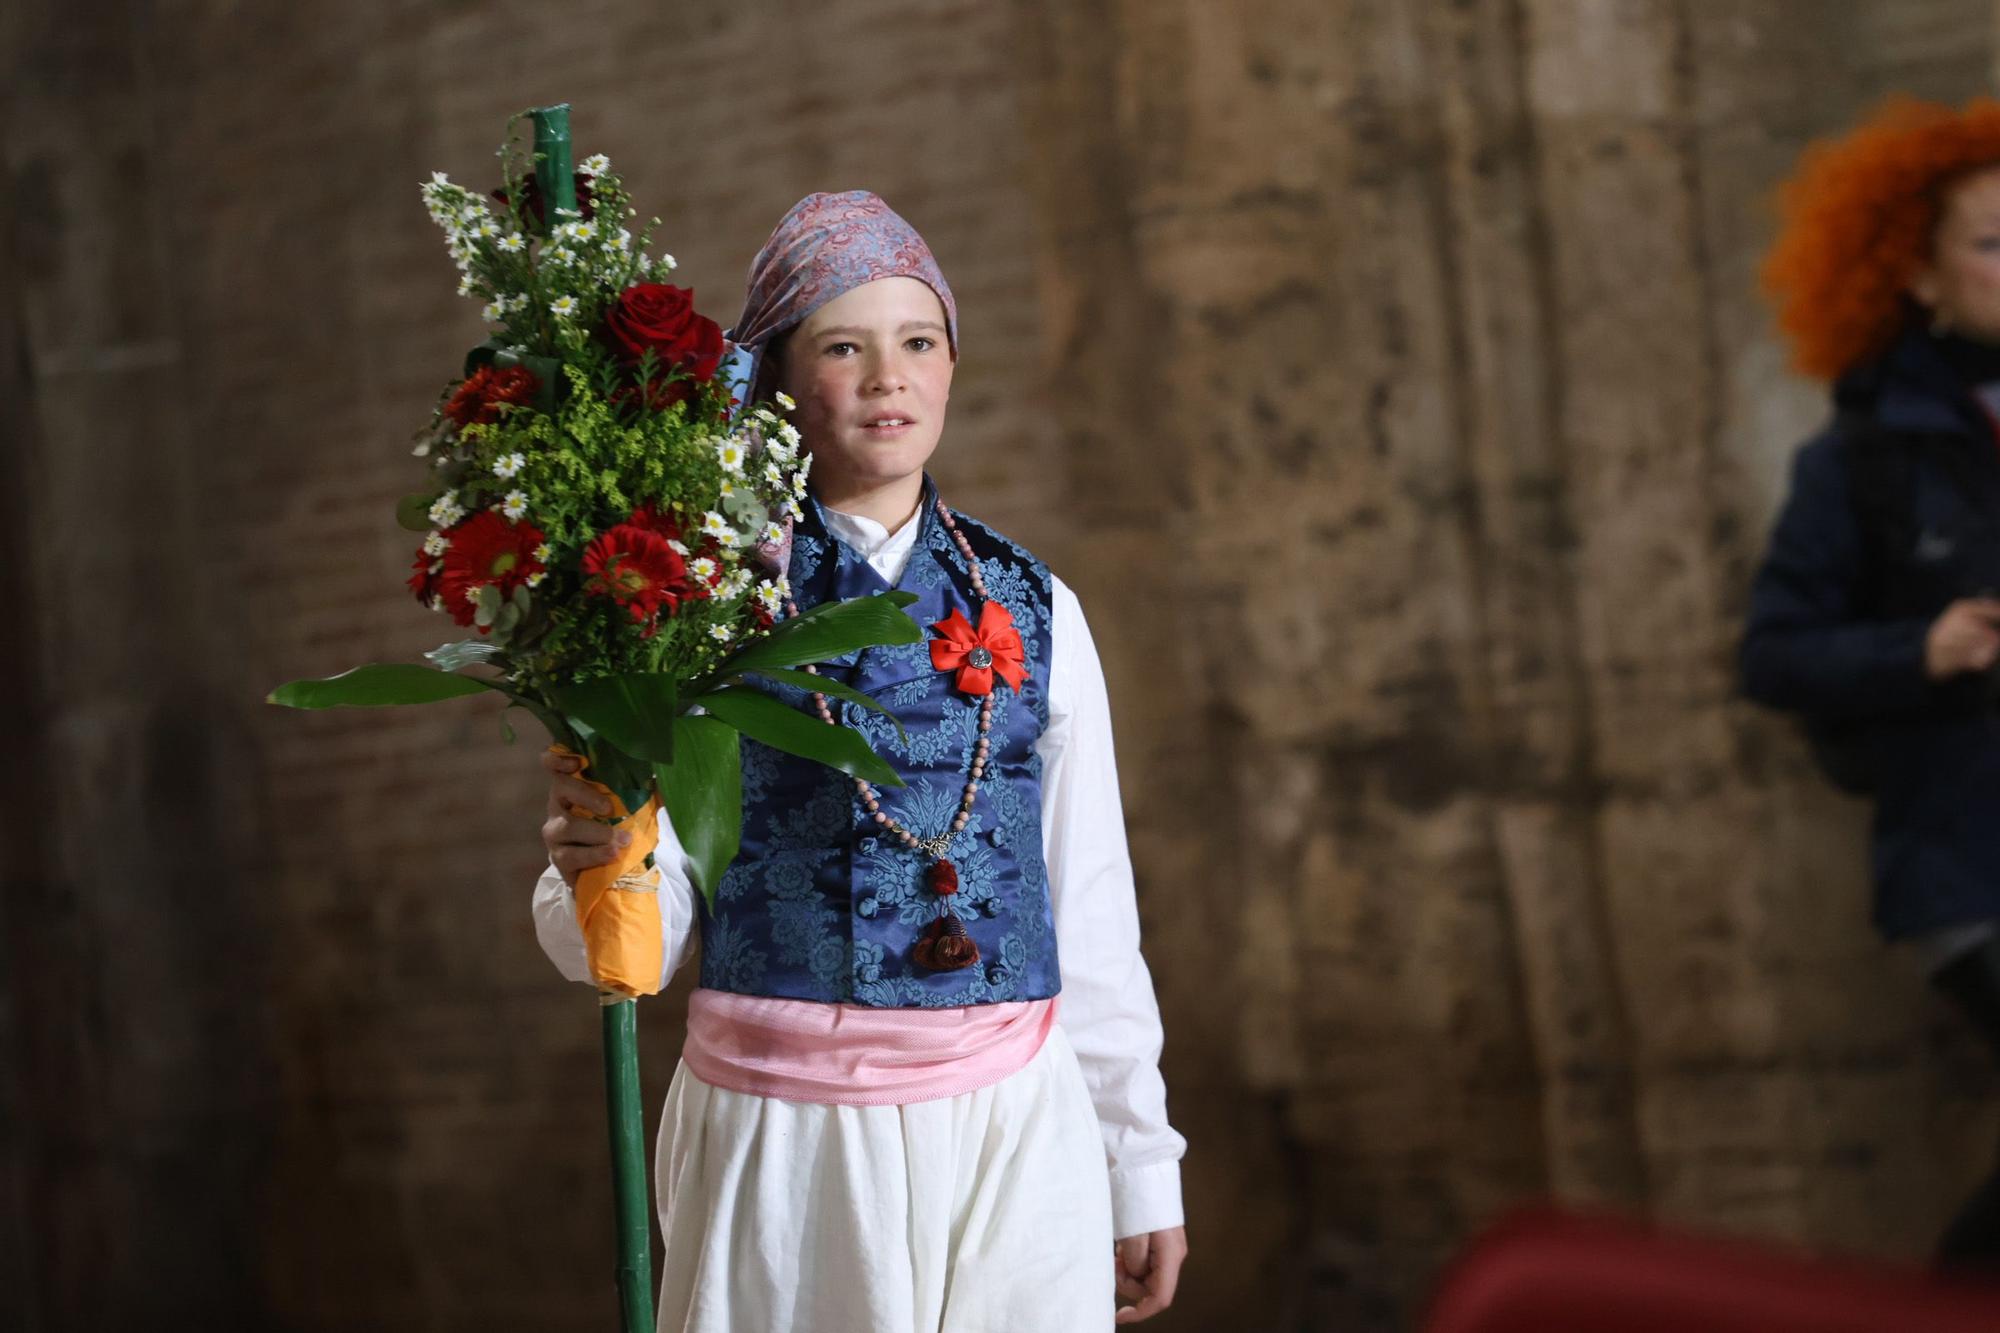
{"x": 986, "y": 1211}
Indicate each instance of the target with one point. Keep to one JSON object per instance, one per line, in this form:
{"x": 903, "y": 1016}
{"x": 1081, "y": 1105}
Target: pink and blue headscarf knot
{"x": 828, "y": 245}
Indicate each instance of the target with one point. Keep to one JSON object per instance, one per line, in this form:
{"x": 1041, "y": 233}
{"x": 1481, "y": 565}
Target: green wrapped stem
{"x": 628, "y": 1167}
{"x": 554, "y": 171}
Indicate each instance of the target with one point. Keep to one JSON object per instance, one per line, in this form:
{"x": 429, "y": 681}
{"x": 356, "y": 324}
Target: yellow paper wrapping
{"x": 618, "y": 904}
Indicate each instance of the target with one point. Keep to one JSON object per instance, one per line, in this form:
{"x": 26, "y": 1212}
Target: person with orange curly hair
{"x": 1875, "y": 615}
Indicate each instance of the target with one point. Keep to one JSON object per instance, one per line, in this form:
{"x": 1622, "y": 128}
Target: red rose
{"x": 636, "y": 568}
{"x": 486, "y": 389}
{"x": 660, "y": 318}
{"x": 484, "y": 549}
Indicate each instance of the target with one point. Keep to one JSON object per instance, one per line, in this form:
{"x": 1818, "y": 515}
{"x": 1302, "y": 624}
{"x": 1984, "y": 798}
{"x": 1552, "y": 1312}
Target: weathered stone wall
{"x": 1386, "y": 378}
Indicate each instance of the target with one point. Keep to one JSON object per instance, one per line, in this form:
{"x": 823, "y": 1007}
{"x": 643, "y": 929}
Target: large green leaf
{"x": 634, "y": 713}
{"x": 805, "y": 680}
{"x": 377, "y": 685}
{"x": 829, "y": 630}
{"x": 703, "y": 792}
{"x": 760, "y": 717}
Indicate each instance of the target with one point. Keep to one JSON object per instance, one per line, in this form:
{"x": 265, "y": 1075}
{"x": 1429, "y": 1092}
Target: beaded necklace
{"x": 944, "y": 945}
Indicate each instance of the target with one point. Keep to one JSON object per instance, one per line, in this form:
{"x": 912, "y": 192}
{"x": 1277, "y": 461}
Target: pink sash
{"x": 853, "y": 1055}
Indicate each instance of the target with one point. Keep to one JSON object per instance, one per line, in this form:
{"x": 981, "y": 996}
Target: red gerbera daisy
{"x": 479, "y": 399}
{"x": 485, "y": 548}
{"x": 635, "y": 567}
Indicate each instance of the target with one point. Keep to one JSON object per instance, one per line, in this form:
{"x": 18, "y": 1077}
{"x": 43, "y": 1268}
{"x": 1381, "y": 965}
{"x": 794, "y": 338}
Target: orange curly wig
{"x": 1857, "y": 222}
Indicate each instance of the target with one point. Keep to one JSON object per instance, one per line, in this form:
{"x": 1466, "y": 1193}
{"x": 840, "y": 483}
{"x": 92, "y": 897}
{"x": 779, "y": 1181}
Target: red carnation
{"x": 652, "y": 520}
{"x": 660, "y": 318}
{"x": 424, "y": 577}
{"x": 479, "y": 399}
{"x": 635, "y": 567}
{"x": 485, "y": 548}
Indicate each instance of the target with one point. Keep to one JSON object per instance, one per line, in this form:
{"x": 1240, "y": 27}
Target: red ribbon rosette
{"x": 979, "y": 654}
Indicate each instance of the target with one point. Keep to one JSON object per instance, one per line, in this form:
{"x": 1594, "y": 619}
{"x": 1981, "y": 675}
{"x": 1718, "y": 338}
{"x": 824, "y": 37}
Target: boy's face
{"x": 871, "y": 370}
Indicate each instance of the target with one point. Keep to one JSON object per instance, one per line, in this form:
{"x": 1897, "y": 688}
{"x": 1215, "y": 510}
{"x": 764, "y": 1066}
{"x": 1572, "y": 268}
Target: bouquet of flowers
{"x": 610, "y": 526}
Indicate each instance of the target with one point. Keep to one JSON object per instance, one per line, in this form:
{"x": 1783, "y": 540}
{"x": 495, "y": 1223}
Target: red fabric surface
{"x": 1551, "y": 1272}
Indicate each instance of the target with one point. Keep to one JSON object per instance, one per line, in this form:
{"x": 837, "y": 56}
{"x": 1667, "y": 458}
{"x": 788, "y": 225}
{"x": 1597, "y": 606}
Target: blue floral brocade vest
{"x": 820, "y": 903}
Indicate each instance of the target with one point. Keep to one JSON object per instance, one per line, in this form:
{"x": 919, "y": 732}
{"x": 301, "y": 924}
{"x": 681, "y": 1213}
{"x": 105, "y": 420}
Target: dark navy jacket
{"x": 1837, "y": 626}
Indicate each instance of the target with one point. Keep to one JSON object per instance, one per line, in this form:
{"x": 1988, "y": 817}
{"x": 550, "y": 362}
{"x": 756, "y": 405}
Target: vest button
{"x": 867, "y": 907}
{"x": 989, "y": 907}
{"x": 996, "y": 973}
{"x": 868, "y": 846}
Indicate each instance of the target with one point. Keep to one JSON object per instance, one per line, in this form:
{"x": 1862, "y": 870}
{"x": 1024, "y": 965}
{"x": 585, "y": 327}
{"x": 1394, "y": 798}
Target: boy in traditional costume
{"x": 920, "y": 1086}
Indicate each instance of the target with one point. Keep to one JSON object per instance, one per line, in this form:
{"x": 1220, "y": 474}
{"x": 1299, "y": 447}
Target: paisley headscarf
{"x": 826, "y": 246}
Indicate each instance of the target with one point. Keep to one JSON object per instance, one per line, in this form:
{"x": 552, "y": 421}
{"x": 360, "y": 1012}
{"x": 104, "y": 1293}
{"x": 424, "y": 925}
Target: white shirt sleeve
{"x": 562, "y": 939}
{"x": 1108, "y": 1009}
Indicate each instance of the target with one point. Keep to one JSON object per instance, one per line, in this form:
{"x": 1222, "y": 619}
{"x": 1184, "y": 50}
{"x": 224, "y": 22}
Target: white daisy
{"x": 789, "y": 434}
{"x": 669, "y": 263}
{"x": 720, "y": 633}
{"x": 438, "y": 178}
{"x": 486, "y": 229}
{"x": 737, "y": 583}
{"x": 513, "y": 243}
{"x": 730, "y": 453}
{"x": 786, "y": 401}
{"x": 728, "y": 488}
{"x": 505, "y": 468}
{"x": 765, "y": 415}
{"x": 445, "y": 511}
{"x": 774, "y": 475}
{"x": 563, "y": 307}
{"x": 518, "y": 301}
{"x": 562, "y": 254}
{"x": 515, "y": 506}
{"x": 715, "y": 525}
{"x": 465, "y": 286}
{"x": 792, "y": 508}
{"x": 623, "y": 240}
{"x": 493, "y": 311}
{"x": 784, "y": 584}
{"x": 435, "y": 544}
{"x": 542, "y": 553}
{"x": 472, "y": 213}
{"x": 534, "y": 580}
{"x": 770, "y": 598}
{"x": 674, "y": 545}
{"x": 594, "y": 165}
{"x": 583, "y": 231}
{"x": 772, "y": 534}
{"x": 704, "y": 569}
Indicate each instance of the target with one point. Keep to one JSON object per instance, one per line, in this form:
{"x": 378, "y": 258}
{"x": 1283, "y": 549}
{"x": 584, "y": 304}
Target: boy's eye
{"x": 840, "y": 349}
{"x": 922, "y": 344}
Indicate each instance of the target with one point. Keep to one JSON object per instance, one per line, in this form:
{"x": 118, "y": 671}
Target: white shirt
{"x": 1108, "y": 1010}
